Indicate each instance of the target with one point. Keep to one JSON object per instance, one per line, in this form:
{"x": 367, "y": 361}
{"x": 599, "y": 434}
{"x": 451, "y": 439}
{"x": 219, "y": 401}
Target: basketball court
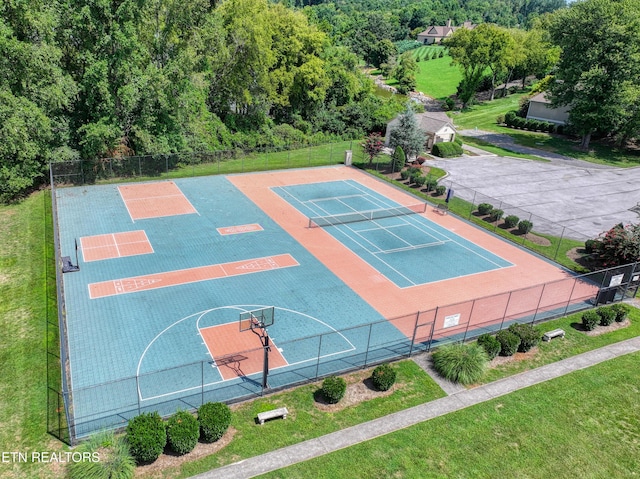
{"x": 173, "y": 274}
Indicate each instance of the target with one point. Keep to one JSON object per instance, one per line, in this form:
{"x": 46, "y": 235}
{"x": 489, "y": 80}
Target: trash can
{"x": 348, "y": 157}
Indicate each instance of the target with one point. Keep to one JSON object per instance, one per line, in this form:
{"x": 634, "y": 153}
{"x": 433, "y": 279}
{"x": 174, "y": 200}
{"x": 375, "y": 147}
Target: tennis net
{"x": 356, "y": 216}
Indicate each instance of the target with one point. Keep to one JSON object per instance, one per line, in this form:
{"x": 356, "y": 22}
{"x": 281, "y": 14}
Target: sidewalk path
{"x": 402, "y": 419}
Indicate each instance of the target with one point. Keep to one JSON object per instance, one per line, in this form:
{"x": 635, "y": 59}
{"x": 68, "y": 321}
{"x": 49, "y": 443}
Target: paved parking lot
{"x": 581, "y": 196}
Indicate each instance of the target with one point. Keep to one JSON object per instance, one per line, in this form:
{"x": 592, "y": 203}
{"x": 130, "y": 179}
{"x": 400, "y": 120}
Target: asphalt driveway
{"x": 585, "y": 198}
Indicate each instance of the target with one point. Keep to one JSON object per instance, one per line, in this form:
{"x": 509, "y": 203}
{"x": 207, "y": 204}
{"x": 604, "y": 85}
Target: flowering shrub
{"x": 620, "y": 245}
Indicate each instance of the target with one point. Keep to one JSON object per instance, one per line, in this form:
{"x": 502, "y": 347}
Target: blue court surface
{"x": 143, "y": 349}
{"x": 409, "y": 250}
{"x": 135, "y": 351}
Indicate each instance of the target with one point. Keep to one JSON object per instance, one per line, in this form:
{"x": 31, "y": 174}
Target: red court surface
{"x": 191, "y": 275}
{"x": 115, "y": 245}
{"x": 154, "y": 200}
{"x": 234, "y": 230}
{"x": 224, "y": 343}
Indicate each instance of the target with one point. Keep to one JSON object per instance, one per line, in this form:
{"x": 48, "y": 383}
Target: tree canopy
{"x": 598, "y": 74}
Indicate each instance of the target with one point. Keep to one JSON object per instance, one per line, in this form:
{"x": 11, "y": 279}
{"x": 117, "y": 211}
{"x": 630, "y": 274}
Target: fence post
{"x": 415, "y": 332}
{"x": 559, "y": 242}
{"x": 202, "y": 382}
{"x": 473, "y": 204}
{"x": 538, "y": 305}
{"x": 319, "y": 351}
{"x": 570, "y": 295}
{"x": 366, "y": 353}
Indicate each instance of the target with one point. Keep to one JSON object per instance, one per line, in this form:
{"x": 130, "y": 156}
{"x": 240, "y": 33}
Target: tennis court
{"x": 153, "y": 313}
{"x": 407, "y": 248}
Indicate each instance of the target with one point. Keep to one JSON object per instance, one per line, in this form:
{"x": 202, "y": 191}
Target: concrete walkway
{"x": 459, "y": 399}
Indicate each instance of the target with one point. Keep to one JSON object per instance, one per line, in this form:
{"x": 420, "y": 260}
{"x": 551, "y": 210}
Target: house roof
{"x": 540, "y": 98}
{"x": 433, "y": 121}
{"x": 439, "y": 31}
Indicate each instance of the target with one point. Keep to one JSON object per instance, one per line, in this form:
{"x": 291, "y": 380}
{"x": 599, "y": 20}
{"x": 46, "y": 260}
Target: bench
{"x": 274, "y": 413}
{"x": 442, "y": 208}
{"x": 556, "y": 333}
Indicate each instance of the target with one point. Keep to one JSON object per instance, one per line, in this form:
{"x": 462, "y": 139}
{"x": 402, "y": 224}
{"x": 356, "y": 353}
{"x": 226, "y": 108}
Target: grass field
{"x": 436, "y": 78}
{"x": 582, "y": 425}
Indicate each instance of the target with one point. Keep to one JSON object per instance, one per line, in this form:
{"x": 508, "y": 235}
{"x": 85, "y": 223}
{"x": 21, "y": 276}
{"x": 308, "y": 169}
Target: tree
{"x": 598, "y": 75}
{"x": 464, "y": 51}
{"x": 620, "y": 245}
{"x": 407, "y": 134}
{"x": 405, "y": 73}
{"x": 373, "y": 145}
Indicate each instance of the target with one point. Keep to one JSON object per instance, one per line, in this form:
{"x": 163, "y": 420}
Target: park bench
{"x": 556, "y": 333}
{"x": 442, "y": 208}
{"x": 274, "y": 413}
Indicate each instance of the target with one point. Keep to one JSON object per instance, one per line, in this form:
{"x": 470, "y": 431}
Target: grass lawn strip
{"x": 584, "y": 424}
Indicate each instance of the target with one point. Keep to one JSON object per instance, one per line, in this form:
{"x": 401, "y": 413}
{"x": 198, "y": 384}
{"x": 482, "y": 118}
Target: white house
{"x": 437, "y": 33}
{"x": 437, "y": 128}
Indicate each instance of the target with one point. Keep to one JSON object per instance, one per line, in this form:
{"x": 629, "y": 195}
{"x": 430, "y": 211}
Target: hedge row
{"x": 512, "y": 120}
{"x": 517, "y": 337}
{"x": 147, "y": 434}
{"x": 604, "y": 316}
{"x": 487, "y": 209}
{"x": 447, "y": 149}
{"x": 415, "y": 177}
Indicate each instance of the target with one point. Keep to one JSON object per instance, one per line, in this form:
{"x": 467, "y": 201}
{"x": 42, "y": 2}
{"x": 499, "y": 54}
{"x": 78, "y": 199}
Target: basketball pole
{"x": 265, "y": 366}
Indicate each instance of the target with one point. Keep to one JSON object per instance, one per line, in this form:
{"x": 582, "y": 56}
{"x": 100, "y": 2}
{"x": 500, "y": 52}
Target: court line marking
{"x": 125, "y": 204}
{"x": 159, "y": 196}
{"x": 157, "y": 277}
{"x": 115, "y": 243}
{"x": 242, "y": 308}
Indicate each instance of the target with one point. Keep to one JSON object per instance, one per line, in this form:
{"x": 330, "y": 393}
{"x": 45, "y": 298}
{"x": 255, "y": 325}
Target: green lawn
{"x": 584, "y": 424}
{"x": 436, "y": 78}
{"x": 483, "y": 116}
{"x": 25, "y": 254}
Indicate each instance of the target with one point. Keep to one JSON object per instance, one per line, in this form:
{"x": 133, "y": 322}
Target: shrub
{"x": 146, "y": 437}
{"x": 509, "y": 342}
{"x": 621, "y": 310}
{"x": 525, "y": 226}
{"x": 383, "y": 377}
{"x": 449, "y": 103}
{"x": 490, "y": 344}
{"x": 461, "y": 363}
{"x": 431, "y": 183}
{"x": 115, "y": 460}
{"x": 333, "y": 389}
{"x": 182, "y": 432}
{"x": 458, "y": 140}
{"x": 591, "y": 246}
{"x": 440, "y": 190}
{"x": 607, "y": 316}
{"x": 511, "y": 221}
{"x": 404, "y": 175}
{"x": 485, "y": 208}
{"x": 529, "y": 336}
{"x": 590, "y": 320}
{"x": 419, "y": 180}
{"x": 509, "y": 117}
{"x": 500, "y": 119}
{"x": 214, "y": 419}
{"x": 446, "y": 149}
{"x": 496, "y": 215}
